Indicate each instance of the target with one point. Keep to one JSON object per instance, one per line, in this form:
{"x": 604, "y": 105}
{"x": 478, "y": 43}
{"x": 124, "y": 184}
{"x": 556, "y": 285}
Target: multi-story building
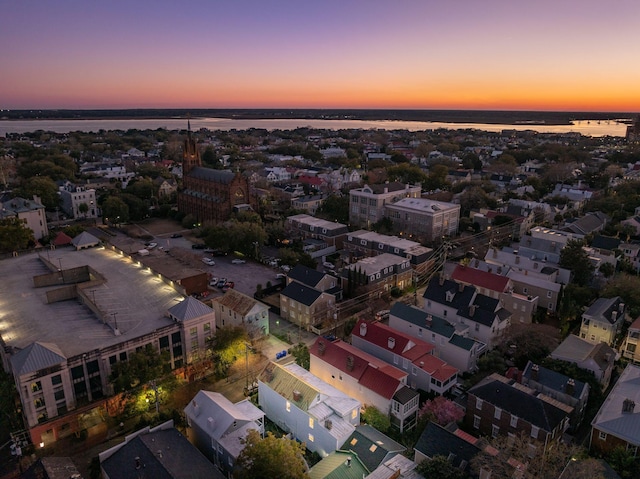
{"x": 77, "y": 201}
{"x": 62, "y": 352}
{"x": 367, "y": 204}
{"x": 422, "y": 218}
{"x": 207, "y": 194}
{"x": 629, "y": 348}
{"x": 330, "y": 233}
{"x": 499, "y": 406}
{"x": 313, "y": 411}
{"x": 305, "y": 306}
{"x": 424, "y": 370}
{"x": 367, "y": 379}
{"x": 617, "y": 424}
{"x": 370, "y": 243}
{"x": 452, "y": 346}
{"x": 598, "y": 358}
{"x": 378, "y": 273}
{"x": 30, "y": 212}
{"x": 603, "y": 320}
{"x": 237, "y": 309}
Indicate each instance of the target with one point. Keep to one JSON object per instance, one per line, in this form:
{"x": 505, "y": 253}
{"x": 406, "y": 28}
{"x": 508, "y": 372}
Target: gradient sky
{"x": 580, "y": 55}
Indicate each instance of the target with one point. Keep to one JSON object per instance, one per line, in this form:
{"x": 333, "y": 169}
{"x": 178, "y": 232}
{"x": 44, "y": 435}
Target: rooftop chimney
{"x": 363, "y": 329}
{"x": 614, "y": 316}
{"x": 570, "y": 387}
{"x": 429, "y": 320}
{"x": 349, "y": 363}
{"x": 137, "y": 459}
{"x": 297, "y": 396}
{"x": 460, "y": 287}
{"x": 628, "y": 406}
{"x": 391, "y": 342}
{"x": 472, "y": 310}
{"x": 535, "y": 372}
{"x": 441, "y": 279}
{"x": 321, "y": 348}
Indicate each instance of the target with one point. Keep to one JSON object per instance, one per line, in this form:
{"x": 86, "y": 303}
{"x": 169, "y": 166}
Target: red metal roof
{"x": 404, "y": 345}
{"x": 371, "y": 372}
{"x": 480, "y": 279}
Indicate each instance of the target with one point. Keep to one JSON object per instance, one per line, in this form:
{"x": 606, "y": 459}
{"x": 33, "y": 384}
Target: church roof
{"x": 209, "y": 174}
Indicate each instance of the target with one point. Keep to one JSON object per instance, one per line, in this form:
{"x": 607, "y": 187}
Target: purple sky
{"x": 483, "y": 54}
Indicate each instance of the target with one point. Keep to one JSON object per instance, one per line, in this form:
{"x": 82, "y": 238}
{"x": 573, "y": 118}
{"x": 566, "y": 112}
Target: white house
{"x": 237, "y": 309}
{"x": 218, "y": 426}
{"x": 314, "y": 412}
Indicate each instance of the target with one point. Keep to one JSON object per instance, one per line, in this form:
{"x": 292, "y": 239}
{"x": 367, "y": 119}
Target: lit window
{"x": 354, "y": 414}
{"x": 497, "y": 412}
{"x": 310, "y": 437}
{"x": 288, "y": 406}
{"x": 478, "y": 403}
{"x": 514, "y": 421}
{"x": 310, "y": 423}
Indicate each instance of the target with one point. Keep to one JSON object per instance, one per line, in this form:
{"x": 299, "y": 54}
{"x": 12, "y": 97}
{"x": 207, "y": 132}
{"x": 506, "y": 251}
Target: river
{"x": 585, "y": 127}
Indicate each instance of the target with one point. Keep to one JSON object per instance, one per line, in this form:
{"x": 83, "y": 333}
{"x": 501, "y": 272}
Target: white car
{"x": 152, "y": 245}
{"x": 286, "y": 268}
{"x": 238, "y": 261}
{"x": 208, "y": 261}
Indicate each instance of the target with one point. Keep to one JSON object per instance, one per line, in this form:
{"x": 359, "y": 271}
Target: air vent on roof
{"x": 297, "y": 396}
{"x": 391, "y": 342}
{"x": 350, "y": 363}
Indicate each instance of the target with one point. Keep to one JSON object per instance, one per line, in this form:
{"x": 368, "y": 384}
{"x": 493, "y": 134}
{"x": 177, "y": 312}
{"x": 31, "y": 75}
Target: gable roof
{"x": 160, "y": 454}
{"x": 513, "y": 399}
{"x": 611, "y": 418}
{"x": 603, "y": 310}
{"x": 605, "y": 242}
{"x": 305, "y": 275}
{"x": 371, "y": 446}
{"x": 480, "y": 279}
{"x": 370, "y": 372}
{"x": 435, "y": 440}
{"x": 301, "y": 293}
{"x": 419, "y": 318}
{"x": 339, "y": 465}
{"x": 437, "y": 290}
{"x": 35, "y": 357}
{"x": 62, "y": 239}
{"x": 189, "y": 308}
{"x": 553, "y": 380}
{"x": 238, "y": 302}
{"x": 403, "y": 344}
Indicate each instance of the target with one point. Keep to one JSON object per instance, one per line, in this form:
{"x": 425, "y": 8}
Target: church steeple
{"x": 190, "y": 154}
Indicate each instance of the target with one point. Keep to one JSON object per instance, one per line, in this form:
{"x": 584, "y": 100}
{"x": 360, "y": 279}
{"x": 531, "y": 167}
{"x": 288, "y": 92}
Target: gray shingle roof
{"x": 553, "y": 380}
{"x": 36, "y": 356}
{"x": 371, "y": 446}
{"x": 438, "y": 293}
{"x": 209, "y": 174}
{"x": 303, "y": 274}
{"x": 438, "y": 441}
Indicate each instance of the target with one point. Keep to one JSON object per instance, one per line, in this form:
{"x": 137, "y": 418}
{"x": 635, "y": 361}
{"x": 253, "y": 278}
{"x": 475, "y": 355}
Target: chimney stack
{"x": 460, "y": 287}
{"x": 441, "y": 279}
{"x": 391, "y": 342}
{"x": 321, "y": 348}
{"x": 472, "y": 310}
{"x": 570, "y": 388}
{"x": 535, "y": 372}
{"x": 350, "y": 363}
{"x": 628, "y": 405}
{"x": 429, "y": 320}
{"x": 363, "y": 329}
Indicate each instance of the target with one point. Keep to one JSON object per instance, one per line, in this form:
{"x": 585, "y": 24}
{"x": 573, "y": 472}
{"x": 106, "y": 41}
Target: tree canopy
{"x": 14, "y": 236}
{"x": 270, "y": 458}
{"x": 139, "y": 368}
{"x": 573, "y": 257}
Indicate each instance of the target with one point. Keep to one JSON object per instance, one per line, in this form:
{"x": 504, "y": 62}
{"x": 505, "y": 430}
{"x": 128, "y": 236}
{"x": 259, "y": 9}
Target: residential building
{"x": 457, "y": 350}
{"x": 422, "y": 218}
{"x": 617, "y": 424}
{"x": 560, "y": 387}
{"x": 313, "y": 278}
{"x": 160, "y": 452}
{"x": 308, "y": 204}
{"x": 629, "y": 348}
{"x": 631, "y": 253}
{"x": 367, "y": 204}
{"x": 503, "y": 226}
{"x": 377, "y": 274}
{"x": 52, "y": 468}
{"x": 371, "y": 446}
{"x": 539, "y": 249}
{"x": 597, "y": 358}
{"x": 588, "y": 224}
{"x": 367, "y": 379}
{"x": 508, "y": 259}
{"x": 522, "y": 307}
{"x": 414, "y": 356}
{"x": 341, "y": 464}
{"x": 313, "y": 411}
{"x": 30, "y": 212}
{"x": 165, "y": 187}
{"x": 207, "y": 194}
{"x": 77, "y": 201}
{"x": 237, "y": 309}
{"x": 435, "y": 440}
{"x": 59, "y": 376}
{"x": 305, "y": 227}
{"x": 499, "y": 406}
{"x": 603, "y": 320}
{"x": 217, "y": 426}
{"x": 398, "y": 467}
{"x": 307, "y": 307}
{"x": 369, "y": 243}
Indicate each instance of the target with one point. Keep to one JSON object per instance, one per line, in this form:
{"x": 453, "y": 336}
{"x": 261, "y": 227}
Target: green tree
{"x": 375, "y": 418}
{"x": 115, "y": 211}
{"x": 270, "y": 457}
{"x": 301, "y": 353}
{"x": 607, "y": 270}
{"x": 439, "y": 467}
{"x": 406, "y": 173}
{"x": 83, "y": 208}
{"x": 335, "y": 208}
{"x": 43, "y": 187}
{"x": 14, "y": 236}
{"x": 627, "y": 287}
{"x": 573, "y": 257}
{"x": 139, "y": 368}
{"x": 624, "y": 462}
{"x": 229, "y": 344}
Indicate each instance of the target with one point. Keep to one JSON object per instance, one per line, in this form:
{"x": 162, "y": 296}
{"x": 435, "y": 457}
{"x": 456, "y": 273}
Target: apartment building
{"x": 603, "y": 320}
{"x": 367, "y": 204}
{"x": 425, "y": 219}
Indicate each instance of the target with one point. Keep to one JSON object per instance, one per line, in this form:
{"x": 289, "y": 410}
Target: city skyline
{"x": 493, "y": 55}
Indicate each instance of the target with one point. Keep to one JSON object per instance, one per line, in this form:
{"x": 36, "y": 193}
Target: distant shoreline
{"x": 451, "y": 116}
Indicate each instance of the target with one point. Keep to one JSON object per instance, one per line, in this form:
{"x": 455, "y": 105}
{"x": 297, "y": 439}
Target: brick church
{"x": 209, "y": 195}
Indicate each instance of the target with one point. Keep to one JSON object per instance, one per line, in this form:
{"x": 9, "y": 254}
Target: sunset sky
{"x": 579, "y": 55}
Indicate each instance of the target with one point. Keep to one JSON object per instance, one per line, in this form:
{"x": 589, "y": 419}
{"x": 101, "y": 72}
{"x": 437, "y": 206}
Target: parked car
{"x": 228, "y": 286}
{"x": 176, "y": 235}
{"x": 238, "y": 261}
{"x": 198, "y": 246}
{"x": 286, "y": 268}
{"x": 382, "y": 315}
{"x": 222, "y": 282}
{"x": 281, "y": 276}
{"x": 151, "y": 245}
{"x": 208, "y": 261}
{"x": 213, "y": 281}
{"x": 328, "y": 265}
